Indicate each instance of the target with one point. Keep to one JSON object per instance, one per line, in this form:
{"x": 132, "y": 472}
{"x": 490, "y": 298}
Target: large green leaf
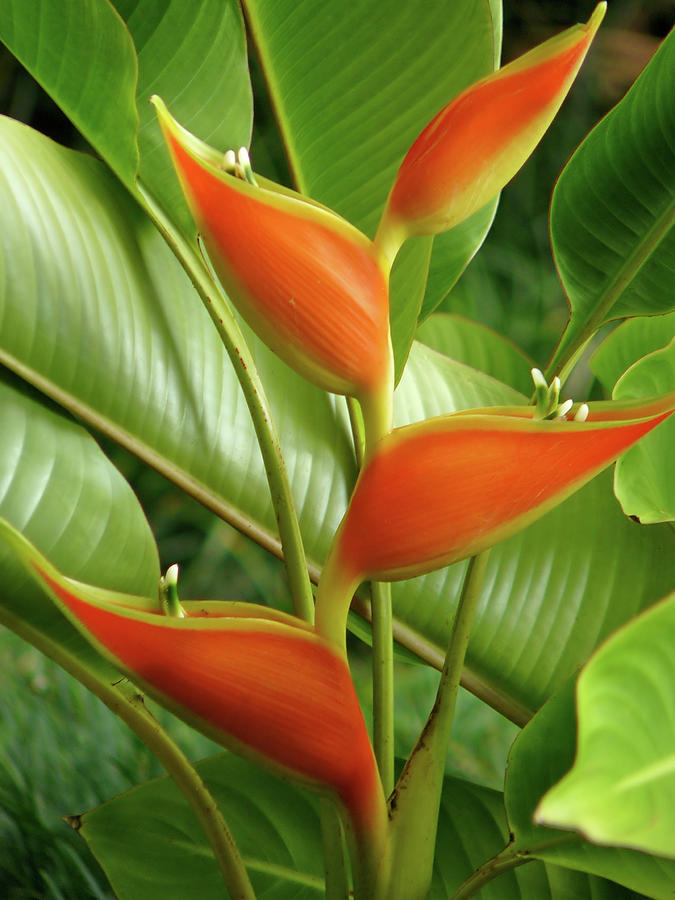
{"x": 275, "y": 825}
{"x": 629, "y": 342}
{"x": 101, "y": 61}
{"x": 58, "y": 488}
{"x": 613, "y": 210}
{"x": 82, "y": 55}
{"x": 541, "y": 755}
{"x": 96, "y": 312}
{"x": 352, "y": 88}
{"x": 193, "y": 56}
{"x": 472, "y": 828}
{"x": 478, "y": 347}
{"x": 645, "y": 476}
{"x": 621, "y": 789}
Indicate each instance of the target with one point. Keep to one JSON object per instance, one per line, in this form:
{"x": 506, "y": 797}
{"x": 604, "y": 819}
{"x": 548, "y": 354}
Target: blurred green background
{"x": 61, "y": 751}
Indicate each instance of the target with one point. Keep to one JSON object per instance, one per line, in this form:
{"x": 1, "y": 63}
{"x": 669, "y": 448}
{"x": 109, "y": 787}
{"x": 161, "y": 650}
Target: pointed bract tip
{"x": 597, "y": 16}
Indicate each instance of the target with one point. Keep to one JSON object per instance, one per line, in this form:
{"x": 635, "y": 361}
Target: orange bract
{"x": 438, "y": 491}
{"x": 270, "y": 690}
{"x": 306, "y": 281}
{"x": 477, "y": 143}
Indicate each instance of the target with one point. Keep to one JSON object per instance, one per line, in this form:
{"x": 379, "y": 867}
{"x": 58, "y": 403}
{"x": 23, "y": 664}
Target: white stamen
{"x": 582, "y": 413}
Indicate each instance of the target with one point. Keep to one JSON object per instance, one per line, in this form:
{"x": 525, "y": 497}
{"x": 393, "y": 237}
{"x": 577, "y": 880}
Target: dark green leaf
{"x": 613, "y": 210}
{"x": 164, "y": 854}
{"x": 194, "y": 57}
{"x": 82, "y": 55}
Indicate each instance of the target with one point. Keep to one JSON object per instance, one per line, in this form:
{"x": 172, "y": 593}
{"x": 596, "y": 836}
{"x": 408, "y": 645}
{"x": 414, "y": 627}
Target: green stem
{"x": 377, "y": 421}
{"x": 508, "y": 858}
{"x": 383, "y": 682}
{"x": 416, "y": 800}
{"x": 259, "y": 409}
{"x": 127, "y": 703}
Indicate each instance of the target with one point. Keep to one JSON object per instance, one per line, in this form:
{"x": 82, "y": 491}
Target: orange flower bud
{"x": 254, "y": 679}
{"x": 477, "y": 143}
{"x": 307, "y": 282}
{"x": 438, "y": 491}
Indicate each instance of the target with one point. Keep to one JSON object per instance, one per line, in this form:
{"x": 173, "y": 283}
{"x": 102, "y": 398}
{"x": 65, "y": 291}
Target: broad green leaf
{"x": 479, "y": 347}
{"x": 352, "y": 88}
{"x": 613, "y": 210}
{"x": 621, "y": 789}
{"x": 96, "y": 312}
{"x": 453, "y": 251}
{"x": 629, "y": 342}
{"x": 194, "y": 57}
{"x": 276, "y": 827}
{"x": 645, "y": 477}
{"x": 100, "y": 61}
{"x": 472, "y": 829}
{"x": 58, "y": 488}
{"x": 541, "y": 755}
{"x": 82, "y": 55}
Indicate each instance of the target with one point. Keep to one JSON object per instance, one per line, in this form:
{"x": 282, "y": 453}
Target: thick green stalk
{"x": 377, "y": 421}
{"x": 416, "y": 800}
{"x": 127, "y": 703}
{"x": 254, "y": 394}
{"x": 383, "y": 682}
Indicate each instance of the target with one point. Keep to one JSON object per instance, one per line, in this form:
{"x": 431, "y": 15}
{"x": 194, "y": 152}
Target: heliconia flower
{"x": 477, "y": 143}
{"x": 308, "y": 283}
{"x": 252, "y": 678}
{"x": 444, "y": 489}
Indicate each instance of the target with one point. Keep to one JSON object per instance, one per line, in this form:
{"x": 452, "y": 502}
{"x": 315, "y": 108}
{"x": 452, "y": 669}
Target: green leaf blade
{"x": 83, "y": 57}
{"x": 613, "y": 210}
{"x": 540, "y": 757}
{"x": 621, "y": 788}
{"x": 194, "y": 56}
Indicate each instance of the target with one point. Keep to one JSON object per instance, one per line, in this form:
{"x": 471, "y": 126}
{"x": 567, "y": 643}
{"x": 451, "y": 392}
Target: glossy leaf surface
{"x": 621, "y": 788}
{"x": 628, "y": 343}
{"x": 58, "y": 488}
{"x": 479, "y": 347}
{"x": 84, "y": 58}
{"x": 613, "y": 209}
{"x": 275, "y": 825}
{"x": 195, "y": 57}
{"x": 645, "y": 477}
{"x": 101, "y": 61}
{"x": 541, "y": 755}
